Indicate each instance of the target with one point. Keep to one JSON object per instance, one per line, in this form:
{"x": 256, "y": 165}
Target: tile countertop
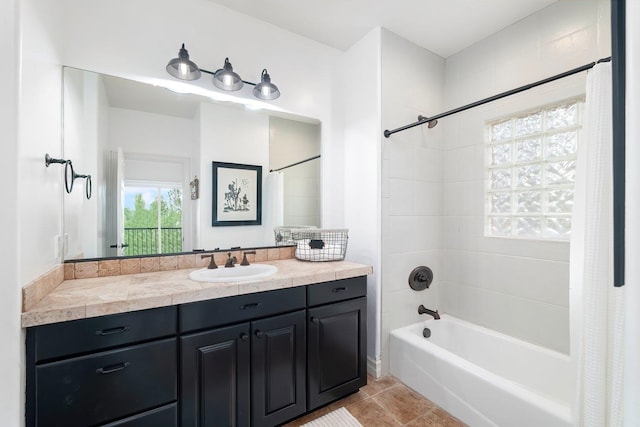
{"x": 84, "y": 298}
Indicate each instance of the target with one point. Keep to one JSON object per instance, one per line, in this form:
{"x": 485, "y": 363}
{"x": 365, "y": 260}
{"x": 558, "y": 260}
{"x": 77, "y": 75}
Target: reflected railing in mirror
{"x": 151, "y": 240}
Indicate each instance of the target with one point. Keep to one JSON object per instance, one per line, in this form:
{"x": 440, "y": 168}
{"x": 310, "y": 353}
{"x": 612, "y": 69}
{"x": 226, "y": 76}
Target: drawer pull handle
{"x": 341, "y": 289}
{"x": 112, "y": 331}
{"x": 244, "y": 336}
{"x": 113, "y": 368}
{"x": 315, "y": 320}
{"x": 259, "y": 333}
{"x": 250, "y": 305}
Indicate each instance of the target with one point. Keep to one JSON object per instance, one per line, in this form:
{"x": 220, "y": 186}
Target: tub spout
{"x": 423, "y": 310}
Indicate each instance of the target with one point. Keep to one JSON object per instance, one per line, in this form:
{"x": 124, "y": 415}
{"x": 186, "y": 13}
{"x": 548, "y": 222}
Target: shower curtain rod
{"x": 296, "y": 163}
{"x": 431, "y": 120}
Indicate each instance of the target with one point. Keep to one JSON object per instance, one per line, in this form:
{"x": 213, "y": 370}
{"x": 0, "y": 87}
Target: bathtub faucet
{"x": 423, "y": 310}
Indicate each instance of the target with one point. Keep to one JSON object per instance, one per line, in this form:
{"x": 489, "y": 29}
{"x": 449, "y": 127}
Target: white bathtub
{"x": 482, "y": 377}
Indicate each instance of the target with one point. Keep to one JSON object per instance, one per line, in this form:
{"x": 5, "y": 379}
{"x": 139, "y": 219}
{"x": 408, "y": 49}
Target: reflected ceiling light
{"x": 224, "y": 78}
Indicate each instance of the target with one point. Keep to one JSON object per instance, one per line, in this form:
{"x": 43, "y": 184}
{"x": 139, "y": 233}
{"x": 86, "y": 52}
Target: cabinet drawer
{"x": 165, "y": 416}
{"x": 103, "y": 387}
{"x": 224, "y": 311}
{"x": 338, "y": 290}
{"x": 99, "y": 333}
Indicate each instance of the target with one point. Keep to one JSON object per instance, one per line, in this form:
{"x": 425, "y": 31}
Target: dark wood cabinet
{"x": 278, "y": 369}
{"x": 120, "y": 370}
{"x": 215, "y": 377}
{"x": 337, "y": 353}
{"x": 257, "y": 360}
{"x": 165, "y": 416}
{"x": 251, "y": 373}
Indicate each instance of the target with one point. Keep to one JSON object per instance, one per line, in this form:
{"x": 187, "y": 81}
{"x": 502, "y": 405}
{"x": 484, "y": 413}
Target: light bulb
{"x": 228, "y": 80}
{"x": 183, "y": 68}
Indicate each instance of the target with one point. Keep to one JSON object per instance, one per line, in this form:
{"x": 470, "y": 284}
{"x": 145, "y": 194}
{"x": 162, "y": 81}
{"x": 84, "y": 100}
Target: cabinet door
{"x": 278, "y": 369}
{"x": 215, "y": 378}
{"x": 336, "y": 350}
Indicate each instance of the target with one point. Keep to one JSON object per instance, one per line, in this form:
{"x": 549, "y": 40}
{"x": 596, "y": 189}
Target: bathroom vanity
{"x": 277, "y": 348}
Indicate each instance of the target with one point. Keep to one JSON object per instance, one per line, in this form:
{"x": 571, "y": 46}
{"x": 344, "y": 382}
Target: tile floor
{"x": 387, "y": 402}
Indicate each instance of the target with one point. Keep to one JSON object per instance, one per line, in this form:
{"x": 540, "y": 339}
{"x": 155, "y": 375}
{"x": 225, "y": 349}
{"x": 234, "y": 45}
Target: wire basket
{"x": 321, "y": 244}
{"x": 283, "y": 233}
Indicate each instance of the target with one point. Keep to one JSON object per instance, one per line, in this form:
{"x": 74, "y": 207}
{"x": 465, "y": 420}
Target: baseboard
{"x": 374, "y": 367}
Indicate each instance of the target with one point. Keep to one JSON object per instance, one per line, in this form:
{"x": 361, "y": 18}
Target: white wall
{"x": 361, "y": 109}
{"x": 40, "y": 133}
{"x": 519, "y": 287}
{"x": 12, "y": 385}
{"x": 412, "y": 82}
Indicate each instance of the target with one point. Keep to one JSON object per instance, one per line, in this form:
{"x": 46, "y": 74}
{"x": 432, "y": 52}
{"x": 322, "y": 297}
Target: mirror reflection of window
{"x": 152, "y": 219}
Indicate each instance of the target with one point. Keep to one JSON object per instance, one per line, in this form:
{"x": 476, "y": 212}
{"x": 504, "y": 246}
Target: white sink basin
{"x": 238, "y": 273}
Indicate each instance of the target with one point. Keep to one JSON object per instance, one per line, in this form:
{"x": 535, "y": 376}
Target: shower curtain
{"x": 273, "y": 208}
{"x": 597, "y": 308}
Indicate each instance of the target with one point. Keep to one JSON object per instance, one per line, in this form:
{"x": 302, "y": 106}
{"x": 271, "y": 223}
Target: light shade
{"x": 265, "y": 89}
{"x": 226, "y": 79}
{"x": 182, "y": 68}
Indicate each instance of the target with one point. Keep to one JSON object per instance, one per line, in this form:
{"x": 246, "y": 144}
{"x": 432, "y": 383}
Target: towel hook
{"x": 68, "y": 170}
{"x": 88, "y": 187}
{"x": 70, "y": 175}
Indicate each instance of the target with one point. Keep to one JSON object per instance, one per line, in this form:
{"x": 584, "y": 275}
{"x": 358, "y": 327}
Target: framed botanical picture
{"x": 237, "y": 194}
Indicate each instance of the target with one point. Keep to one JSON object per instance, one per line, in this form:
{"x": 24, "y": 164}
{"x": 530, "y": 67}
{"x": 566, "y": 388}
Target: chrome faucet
{"x": 212, "y": 264}
{"x": 231, "y": 260}
{"x": 423, "y": 310}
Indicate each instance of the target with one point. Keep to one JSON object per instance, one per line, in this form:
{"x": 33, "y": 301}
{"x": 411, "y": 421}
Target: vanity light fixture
{"x": 265, "y": 89}
{"x": 227, "y": 79}
{"x": 182, "y": 67}
{"x": 224, "y": 78}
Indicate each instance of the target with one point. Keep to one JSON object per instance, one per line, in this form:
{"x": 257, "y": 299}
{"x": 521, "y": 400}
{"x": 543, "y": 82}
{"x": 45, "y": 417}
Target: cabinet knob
{"x": 259, "y": 333}
{"x": 244, "y": 336}
{"x": 315, "y": 320}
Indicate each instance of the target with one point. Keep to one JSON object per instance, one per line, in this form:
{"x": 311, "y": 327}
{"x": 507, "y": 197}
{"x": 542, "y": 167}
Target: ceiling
{"x": 442, "y": 26}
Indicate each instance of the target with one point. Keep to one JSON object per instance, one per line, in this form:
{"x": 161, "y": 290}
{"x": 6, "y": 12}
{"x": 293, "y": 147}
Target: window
{"x": 531, "y": 167}
{"x": 152, "y": 219}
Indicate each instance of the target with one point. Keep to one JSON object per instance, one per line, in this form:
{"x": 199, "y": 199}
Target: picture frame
{"x": 237, "y": 194}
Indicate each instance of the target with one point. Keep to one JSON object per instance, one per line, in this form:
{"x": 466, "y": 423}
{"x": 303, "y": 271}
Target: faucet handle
{"x": 245, "y": 261}
{"x": 212, "y": 264}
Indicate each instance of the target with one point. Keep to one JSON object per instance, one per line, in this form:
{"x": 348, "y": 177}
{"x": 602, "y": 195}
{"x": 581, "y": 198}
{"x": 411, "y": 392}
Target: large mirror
{"x": 149, "y": 152}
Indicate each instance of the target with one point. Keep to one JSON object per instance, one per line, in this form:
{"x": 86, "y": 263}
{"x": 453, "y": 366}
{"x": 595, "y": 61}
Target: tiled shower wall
{"x": 516, "y": 286}
{"x": 412, "y": 168}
